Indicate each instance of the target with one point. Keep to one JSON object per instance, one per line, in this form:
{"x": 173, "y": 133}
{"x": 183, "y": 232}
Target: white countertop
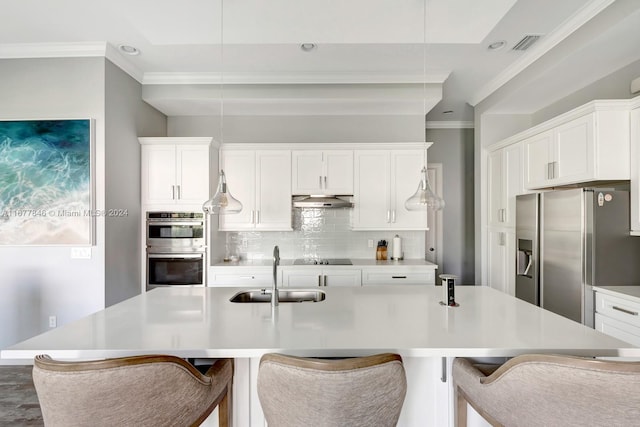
{"x": 201, "y": 322}
{"x": 629, "y": 292}
{"x": 356, "y": 262}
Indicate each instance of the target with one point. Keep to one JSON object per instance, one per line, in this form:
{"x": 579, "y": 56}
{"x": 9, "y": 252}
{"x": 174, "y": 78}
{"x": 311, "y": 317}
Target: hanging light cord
{"x": 221, "y": 72}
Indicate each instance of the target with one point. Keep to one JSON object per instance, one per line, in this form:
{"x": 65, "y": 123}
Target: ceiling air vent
{"x": 526, "y": 42}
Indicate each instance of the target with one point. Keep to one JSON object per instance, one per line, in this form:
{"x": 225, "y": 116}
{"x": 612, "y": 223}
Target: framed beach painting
{"x": 46, "y": 182}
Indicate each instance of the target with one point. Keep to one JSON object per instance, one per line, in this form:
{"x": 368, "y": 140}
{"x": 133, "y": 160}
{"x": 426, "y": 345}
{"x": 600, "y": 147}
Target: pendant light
{"x": 222, "y": 203}
{"x": 424, "y": 197}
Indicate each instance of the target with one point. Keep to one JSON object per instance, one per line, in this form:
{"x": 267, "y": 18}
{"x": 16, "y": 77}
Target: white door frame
{"x": 434, "y": 236}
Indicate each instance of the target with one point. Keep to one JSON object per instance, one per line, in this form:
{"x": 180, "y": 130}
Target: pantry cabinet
{"x": 318, "y": 172}
{"x": 383, "y": 181}
{"x": 635, "y": 169}
{"x": 174, "y": 171}
{"x": 505, "y": 182}
{"x": 261, "y": 181}
{"x": 594, "y": 146}
{"x": 501, "y": 260}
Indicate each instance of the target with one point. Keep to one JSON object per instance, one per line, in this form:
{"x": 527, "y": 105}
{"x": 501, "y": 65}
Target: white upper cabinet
{"x": 174, "y": 171}
{"x": 322, "y": 172}
{"x": 261, "y": 181}
{"x": 383, "y": 181}
{"x": 505, "y": 183}
{"x": 635, "y": 169}
{"x": 593, "y": 146}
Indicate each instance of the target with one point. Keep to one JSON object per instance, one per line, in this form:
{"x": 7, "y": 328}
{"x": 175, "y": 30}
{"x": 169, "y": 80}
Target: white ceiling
{"x": 370, "y": 57}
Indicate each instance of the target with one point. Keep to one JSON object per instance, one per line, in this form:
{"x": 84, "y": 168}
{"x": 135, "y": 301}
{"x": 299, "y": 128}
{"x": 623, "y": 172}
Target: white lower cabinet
{"x": 241, "y": 276}
{"x": 400, "y": 275}
{"x": 618, "y": 316}
{"x": 635, "y": 170}
{"x": 310, "y": 277}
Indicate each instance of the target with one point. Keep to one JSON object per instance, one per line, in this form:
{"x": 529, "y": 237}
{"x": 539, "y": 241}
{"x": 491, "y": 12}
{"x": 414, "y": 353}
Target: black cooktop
{"x": 322, "y": 261}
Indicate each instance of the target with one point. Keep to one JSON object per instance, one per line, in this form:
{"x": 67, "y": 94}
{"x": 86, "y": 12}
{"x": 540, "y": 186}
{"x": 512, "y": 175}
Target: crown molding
{"x": 635, "y": 85}
{"x": 453, "y": 124}
{"x": 545, "y": 44}
{"x": 292, "y": 78}
{"x": 52, "y": 50}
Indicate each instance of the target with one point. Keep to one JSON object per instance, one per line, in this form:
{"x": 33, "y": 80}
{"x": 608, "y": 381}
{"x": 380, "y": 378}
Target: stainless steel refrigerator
{"x": 568, "y": 241}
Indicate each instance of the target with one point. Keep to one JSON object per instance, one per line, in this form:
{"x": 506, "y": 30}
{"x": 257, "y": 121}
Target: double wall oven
{"x": 176, "y": 249}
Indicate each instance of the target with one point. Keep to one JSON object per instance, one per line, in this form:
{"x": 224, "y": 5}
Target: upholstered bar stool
{"x": 364, "y": 391}
{"x": 549, "y": 390}
{"x": 131, "y": 391}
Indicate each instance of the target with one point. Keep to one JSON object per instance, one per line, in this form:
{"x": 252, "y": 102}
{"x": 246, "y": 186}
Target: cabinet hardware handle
{"x": 253, "y": 214}
{"x": 324, "y": 280}
{"x": 501, "y": 239}
{"x": 398, "y": 277}
{"x": 178, "y": 192}
{"x": 173, "y": 192}
{"x": 633, "y": 313}
{"x": 325, "y": 181}
{"x": 388, "y": 215}
{"x": 320, "y": 181}
{"x": 555, "y": 170}
{"x": 548, "y": 170}
{"x": 257, "y": 217}
{"x": 319, "y": 280}
{"x": 393, "y": 216}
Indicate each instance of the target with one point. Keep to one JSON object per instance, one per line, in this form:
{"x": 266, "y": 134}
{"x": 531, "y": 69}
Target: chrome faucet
{"x": 276, "y": 263}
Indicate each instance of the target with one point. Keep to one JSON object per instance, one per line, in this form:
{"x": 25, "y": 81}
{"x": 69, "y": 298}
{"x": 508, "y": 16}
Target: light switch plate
{"x": 81, "y": 253}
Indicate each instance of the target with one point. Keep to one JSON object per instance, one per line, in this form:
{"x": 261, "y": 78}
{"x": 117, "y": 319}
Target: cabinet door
{"x": 345, "y": 277}
{"x": 239, "y": 168}
{"x": 635, "y": 171}
{"x": 338, "y": 177}
{"x": 406, "y": 166}
{"x": 512, "y": 180}
{"x": 574, "y": 150}
{"x": 495, "y": 187}
{"x": 273, "y": 190}
{"x": 496, "y": 275}
{"x": 538, "y": 159}
{"x": 307, "y": 172}
{"x": 371, "y": 190}
{"x": 192, "y": 174}
{"x": 307, "y": 277}
{"x": 158, "y": 174}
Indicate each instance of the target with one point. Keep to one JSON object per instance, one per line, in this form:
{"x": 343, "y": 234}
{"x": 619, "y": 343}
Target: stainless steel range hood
{"x": 321, "y": 202}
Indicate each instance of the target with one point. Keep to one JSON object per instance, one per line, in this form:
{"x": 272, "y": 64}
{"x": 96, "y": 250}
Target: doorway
{"x": 434, "y": 236}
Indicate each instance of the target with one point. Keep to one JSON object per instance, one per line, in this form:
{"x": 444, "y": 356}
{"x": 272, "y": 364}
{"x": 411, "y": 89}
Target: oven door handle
{"x": 161, "y": 223}
{"x": 177, "y": 256}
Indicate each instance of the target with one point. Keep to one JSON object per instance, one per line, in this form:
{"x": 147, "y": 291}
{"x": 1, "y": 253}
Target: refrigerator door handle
{"x": 524, "y": 260}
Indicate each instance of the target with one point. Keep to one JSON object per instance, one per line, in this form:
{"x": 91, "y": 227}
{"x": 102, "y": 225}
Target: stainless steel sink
{"x": 284, "y": 295}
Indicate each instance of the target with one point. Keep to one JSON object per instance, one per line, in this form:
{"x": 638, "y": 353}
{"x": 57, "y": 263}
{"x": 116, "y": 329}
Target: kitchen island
{"x": 353, "y": 321}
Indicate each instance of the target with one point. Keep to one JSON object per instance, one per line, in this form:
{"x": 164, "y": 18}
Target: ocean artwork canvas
{"x": 45, "y": 182}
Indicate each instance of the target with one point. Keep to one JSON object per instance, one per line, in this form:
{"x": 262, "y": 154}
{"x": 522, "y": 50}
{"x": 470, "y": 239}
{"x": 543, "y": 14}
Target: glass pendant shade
{"x": 223, "y": 202}
{"x": 424, "y": 197}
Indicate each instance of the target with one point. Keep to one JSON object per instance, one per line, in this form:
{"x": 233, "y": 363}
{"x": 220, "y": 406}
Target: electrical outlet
{"x": 370, "y": 243}
{"x": 81, "y": 253}
{"x": 53, "y": 321}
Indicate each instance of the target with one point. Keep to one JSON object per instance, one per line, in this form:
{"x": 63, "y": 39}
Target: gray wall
{"x": 41, "y": 281}
{"x": 454, "y": 149}
{"x": 127, "y": 117}
{"x": 301, "y": 128}
{"x": 38, "y": 282}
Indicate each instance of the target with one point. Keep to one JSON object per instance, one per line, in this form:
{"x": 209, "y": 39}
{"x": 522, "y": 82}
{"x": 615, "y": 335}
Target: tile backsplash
{"x": 320, "y": 233}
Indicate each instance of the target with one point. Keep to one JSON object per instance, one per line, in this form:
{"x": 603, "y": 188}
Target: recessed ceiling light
{"x": 307, "y": 47}
{"x": 497, "y": 45}
{"x": 129, "y": 50}
{"x": 447, "y": 112}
